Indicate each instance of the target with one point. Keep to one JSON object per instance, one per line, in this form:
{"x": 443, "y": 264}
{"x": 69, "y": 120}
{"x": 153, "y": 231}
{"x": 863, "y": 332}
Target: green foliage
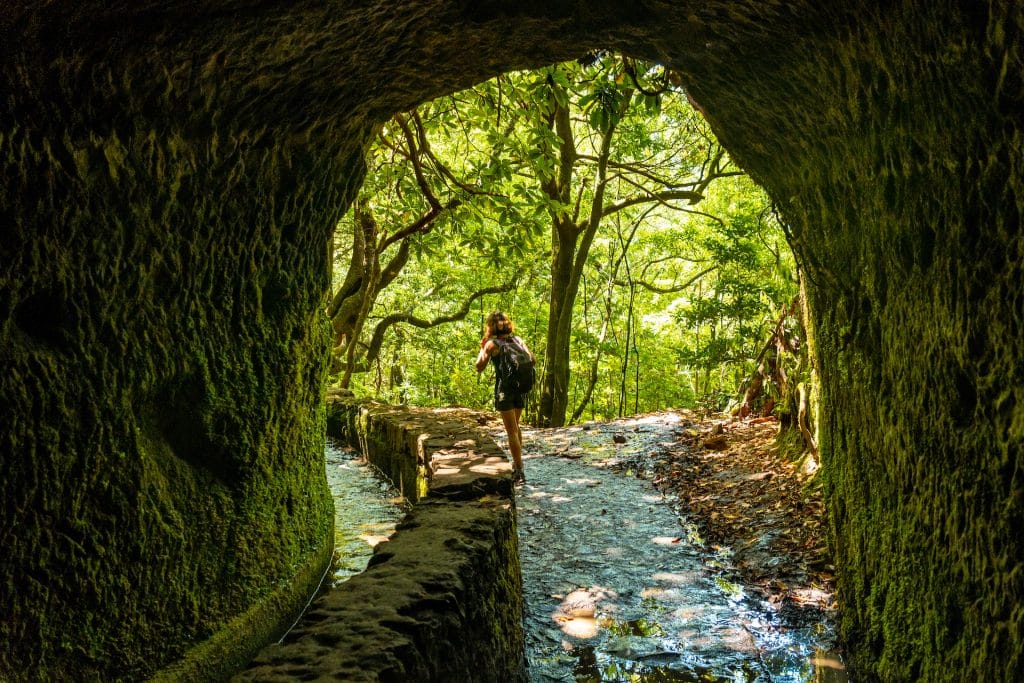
{"x": 674, "y": 303}
{"x": 729, "y": 316}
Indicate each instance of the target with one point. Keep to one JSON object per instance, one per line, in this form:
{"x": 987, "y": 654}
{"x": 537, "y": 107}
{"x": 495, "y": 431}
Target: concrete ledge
{"x": 442, "y": 600}
{"x": 437, "y": 452}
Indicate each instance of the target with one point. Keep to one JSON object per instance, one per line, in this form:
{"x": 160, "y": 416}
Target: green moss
{"x": 170, "y": 429}
{"x": 165, "y": 215}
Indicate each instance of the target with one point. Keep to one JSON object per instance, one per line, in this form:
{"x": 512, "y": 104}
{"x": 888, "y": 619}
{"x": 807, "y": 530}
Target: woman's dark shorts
{"x": 503, "y": 401}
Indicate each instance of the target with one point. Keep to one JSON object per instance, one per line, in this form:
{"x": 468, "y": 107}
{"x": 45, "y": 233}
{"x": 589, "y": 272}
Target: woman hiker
{"x": 509, "y": 390}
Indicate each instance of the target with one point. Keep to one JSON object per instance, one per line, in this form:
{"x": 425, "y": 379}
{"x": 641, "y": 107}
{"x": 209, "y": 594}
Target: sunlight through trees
{"x": 591, "y": 202}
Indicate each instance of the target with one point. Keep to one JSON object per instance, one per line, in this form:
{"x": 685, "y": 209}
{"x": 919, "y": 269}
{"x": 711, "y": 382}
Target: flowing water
{"x": 617, "y": 589}
{"x": 366, "y": 510}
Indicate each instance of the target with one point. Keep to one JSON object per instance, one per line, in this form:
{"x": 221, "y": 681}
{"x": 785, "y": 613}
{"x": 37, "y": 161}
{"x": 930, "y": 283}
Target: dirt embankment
{"x": 762, "y": 513}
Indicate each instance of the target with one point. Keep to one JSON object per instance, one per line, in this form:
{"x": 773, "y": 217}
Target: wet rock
{"x": 716, "y": 443}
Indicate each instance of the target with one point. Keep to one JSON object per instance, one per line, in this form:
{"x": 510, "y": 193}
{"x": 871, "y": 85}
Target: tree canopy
{"x": 592, "y": 203}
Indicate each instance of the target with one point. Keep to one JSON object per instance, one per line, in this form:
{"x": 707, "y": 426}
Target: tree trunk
{"x": 571, "y": 243}
{"x": 595, "y": 363}
{"x": 369, "y": 295}
{"x": 555, "y": 390}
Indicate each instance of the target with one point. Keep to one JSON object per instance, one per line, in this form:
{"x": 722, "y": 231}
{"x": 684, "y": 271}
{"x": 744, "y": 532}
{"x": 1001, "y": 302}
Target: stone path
{"x": 615, "y": 590}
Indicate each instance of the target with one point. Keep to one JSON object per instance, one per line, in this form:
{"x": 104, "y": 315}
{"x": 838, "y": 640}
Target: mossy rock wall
{"x": 172, "y": 172}
{"x": 903, "y": 182}
{"x": 161, "y": 362}
{"x": 442, "y": 600}
{"x": 922, "y": 355}
{"x": 162, "y": 371}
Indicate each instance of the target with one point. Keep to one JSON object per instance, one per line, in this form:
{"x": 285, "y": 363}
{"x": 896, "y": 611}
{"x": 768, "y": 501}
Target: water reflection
{"x": 366, "y": 509}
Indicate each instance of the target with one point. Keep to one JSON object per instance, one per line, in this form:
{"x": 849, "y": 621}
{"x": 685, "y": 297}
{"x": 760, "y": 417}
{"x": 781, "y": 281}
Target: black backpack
{"x": 514, "y": 367}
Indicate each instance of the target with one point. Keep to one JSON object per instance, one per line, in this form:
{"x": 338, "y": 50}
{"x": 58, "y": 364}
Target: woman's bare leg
{"x": 515, "y": 438}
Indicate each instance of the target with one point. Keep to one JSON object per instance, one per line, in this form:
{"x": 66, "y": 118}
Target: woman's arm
{"x": 485, "y": 355}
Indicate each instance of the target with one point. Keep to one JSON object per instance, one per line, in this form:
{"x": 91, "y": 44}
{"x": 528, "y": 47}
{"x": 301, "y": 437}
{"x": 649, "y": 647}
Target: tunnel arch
{"x": 171, "y": 172}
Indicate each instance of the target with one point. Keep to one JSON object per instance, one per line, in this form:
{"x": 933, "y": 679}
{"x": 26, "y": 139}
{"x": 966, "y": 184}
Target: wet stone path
{"x": 615, "y": 587}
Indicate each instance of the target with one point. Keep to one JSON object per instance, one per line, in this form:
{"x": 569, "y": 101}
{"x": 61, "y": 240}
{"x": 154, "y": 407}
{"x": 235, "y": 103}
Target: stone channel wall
{"x": 442, "y": 600}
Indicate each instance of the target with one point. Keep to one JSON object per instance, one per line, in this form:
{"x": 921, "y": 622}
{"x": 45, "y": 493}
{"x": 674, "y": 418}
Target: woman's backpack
{"x": 514, "y": 367}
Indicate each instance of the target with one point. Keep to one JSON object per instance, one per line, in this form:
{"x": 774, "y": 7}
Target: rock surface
{"x": 442, "y": 600}
{"x": 173, "y": 169}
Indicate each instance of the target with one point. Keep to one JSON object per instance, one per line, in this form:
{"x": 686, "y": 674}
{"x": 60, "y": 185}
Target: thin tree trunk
{"x": 554, "y": 395}
{"x": 595, "y": 363}
{"x": 630, "y": 333}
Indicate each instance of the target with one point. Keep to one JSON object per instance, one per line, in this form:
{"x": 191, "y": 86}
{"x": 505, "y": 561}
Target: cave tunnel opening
{"x": 171, "y": 175}
{"x": 453, "y": 222}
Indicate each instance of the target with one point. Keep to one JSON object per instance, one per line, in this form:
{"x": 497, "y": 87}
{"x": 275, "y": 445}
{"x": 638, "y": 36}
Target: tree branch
{"x": 421, "y": 224}
{"x": 409, "y": 319}
{"x": 356, "y": 267}
{"x": 629, "y": 66}
{"x": 417, "y": 164}
{"x": 642, "y": 172}
{"x": 394, "y": 266}
{"x": 566, "y": 151}
{"x": 661, "y": 197}
{"x": 441, "y": 167}
{"x": 668, "y": 290}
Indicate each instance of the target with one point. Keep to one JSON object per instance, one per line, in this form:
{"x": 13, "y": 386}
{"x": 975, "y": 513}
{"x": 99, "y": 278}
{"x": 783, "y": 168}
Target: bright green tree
{"x": 662, "y": 271}
{"x": 438, "y": 189}
{"x": 603, "y": 143}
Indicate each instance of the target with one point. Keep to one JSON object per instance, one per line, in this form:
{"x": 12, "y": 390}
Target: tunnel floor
{"x": 619, "y": 584}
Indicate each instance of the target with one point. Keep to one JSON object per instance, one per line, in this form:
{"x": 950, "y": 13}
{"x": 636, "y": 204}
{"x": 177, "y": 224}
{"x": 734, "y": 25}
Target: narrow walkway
{"x": 616, "y": 591}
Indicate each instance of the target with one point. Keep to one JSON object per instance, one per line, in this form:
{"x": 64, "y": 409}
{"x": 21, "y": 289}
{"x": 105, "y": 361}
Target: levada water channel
{"x": 366, "y": 510}
{"x": 615, "y": 587}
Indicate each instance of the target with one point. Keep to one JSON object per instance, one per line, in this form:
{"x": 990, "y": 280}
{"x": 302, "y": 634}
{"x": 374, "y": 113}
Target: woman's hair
{"x": 498, "y": 323}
